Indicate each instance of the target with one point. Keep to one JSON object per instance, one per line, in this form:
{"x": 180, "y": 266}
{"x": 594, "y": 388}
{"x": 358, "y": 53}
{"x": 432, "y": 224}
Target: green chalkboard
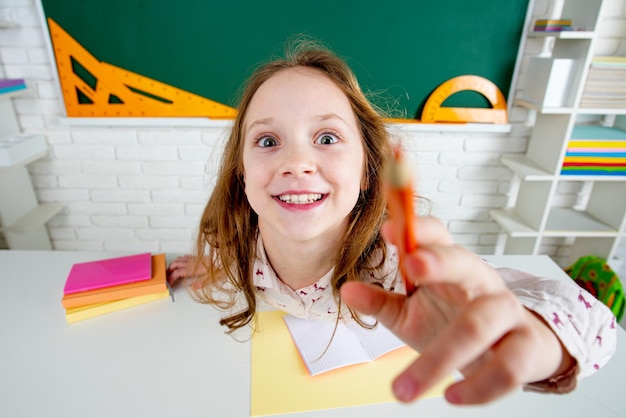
{"x": 400, "y": 50}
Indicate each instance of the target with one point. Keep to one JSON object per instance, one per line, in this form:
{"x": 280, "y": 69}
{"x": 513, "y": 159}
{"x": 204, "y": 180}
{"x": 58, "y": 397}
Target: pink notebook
{"x": 109, "y": 272}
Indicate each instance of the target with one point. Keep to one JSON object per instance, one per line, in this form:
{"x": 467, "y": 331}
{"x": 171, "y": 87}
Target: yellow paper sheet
{"x": 280, "y": 382}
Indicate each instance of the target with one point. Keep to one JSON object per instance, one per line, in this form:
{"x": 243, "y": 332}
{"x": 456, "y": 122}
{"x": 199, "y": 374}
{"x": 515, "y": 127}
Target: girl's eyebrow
{"x": 270, "y": 120}
{"x": 265, "y": 121}
{"x": 332, "y": 116}
{"x": 329, "y": 116}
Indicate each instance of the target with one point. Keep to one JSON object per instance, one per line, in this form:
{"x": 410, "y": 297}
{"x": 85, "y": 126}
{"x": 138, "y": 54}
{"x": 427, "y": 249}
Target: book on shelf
{"x": 606, "y": 135}
{"x": 598, "y": 100}
{"x": 608, "y": 61}
{"x": 8, "y": 85}
{"x": 600, "y": 162}
{"x": 157, "y": 283}
{"x": 606, "y": 83}
{"x": 592, "y": 171}
{"x": 595, "y": 150}
{"x": 92, "y": 303}
{"x": 603, "y": 104}
{"x": 605, "y": 89}
{"x": 605, "y": 73}
{"x": 552, "y": 25}
{"x": 97, "y": 274}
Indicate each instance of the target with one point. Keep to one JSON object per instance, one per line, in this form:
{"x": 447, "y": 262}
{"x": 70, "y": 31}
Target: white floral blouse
{"x": 585, "y": 326}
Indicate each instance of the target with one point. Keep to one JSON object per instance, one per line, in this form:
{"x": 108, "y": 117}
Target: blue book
{"x": 591, "y": 132}
{"x": 10, "y": 89}
{"x": 595, "y": 154}
{"x": 592, "y": 173}
{"x": 11, "y": 82}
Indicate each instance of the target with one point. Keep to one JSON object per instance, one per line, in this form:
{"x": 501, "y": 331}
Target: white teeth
{"x": 300, "y": 199}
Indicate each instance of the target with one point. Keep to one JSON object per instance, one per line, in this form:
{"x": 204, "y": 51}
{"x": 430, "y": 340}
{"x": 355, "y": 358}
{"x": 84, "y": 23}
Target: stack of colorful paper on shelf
{"x": 596, "y": 151}
{"x": 553, "y": 25}
{"x": 606, "y": 83}
{"x": 8, "y": 85}
{"x": 99, "y": 287}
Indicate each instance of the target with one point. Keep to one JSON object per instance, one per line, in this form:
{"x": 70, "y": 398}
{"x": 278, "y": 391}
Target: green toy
{"x": 596, "y": 276}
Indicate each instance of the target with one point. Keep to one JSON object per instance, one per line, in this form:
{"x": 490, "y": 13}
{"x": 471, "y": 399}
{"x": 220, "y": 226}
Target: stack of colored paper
{"x": 605, "y": 86}
{"x": 8, "y": 85}
{"x": 99, "y": 287}
{"x": 553, "y": 25}
{"x": 596, "y": 151}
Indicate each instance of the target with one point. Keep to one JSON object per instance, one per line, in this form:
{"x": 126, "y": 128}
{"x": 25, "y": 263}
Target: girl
{"x": 296, "y": 220}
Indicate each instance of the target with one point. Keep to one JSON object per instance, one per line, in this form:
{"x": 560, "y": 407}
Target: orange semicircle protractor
{"x": 434, "y": 112}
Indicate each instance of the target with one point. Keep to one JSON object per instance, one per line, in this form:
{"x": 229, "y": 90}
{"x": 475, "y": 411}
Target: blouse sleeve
{"x": 585, "y": 326}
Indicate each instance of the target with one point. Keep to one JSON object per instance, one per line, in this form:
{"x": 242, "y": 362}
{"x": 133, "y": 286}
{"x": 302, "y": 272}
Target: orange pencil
{"x": 400, "y": 204}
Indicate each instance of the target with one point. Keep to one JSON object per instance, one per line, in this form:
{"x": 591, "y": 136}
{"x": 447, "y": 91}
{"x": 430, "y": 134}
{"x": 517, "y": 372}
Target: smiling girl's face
{"x": 303, "y": 156}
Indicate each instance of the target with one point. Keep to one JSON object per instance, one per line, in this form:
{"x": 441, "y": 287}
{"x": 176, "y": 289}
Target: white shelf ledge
{"x": 17, "y": 150}
{"x": 565, "y": 34}
{"x": 526, "y": 168}
{"x": 529, "y": 104}
{"x": 455, "y": 127}
{"x": 567, "y": 222}
{"x": 227, "y": 123}
{"x": 562, "y": 222}
{"x": 601, "y": 111}
{"x": 512, "y": 223}
{"x": 34, "y": 218}
{"x": 147, "y": 122}
{"x": 591, "y": 178}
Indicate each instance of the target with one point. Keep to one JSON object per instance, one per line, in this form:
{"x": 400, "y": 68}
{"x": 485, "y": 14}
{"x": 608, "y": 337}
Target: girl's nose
{"x": 298, "y": 161}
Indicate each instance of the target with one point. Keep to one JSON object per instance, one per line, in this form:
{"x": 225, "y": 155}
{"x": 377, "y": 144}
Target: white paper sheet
{"x": 351, "y": 344}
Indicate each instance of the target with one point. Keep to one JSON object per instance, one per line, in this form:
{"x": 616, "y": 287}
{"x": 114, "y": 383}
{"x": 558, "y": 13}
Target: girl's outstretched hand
{"x": 182, "y": 267}
{"x": 462, "y": 317}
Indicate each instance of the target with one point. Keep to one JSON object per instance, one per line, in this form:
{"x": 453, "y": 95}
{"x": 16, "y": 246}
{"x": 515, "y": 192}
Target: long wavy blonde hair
{"x": 226, "y": 242}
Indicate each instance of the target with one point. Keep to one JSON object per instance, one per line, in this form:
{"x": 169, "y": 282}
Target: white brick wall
{"x": 143, "y": 189}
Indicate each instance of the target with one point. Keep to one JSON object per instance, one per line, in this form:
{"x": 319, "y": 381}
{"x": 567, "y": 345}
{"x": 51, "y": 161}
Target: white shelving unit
{"x": 22, "y": 218}
{"x": 594, "y": 224}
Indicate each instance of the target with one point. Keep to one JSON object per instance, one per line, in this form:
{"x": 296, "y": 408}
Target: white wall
{"x": 143, "y": 188}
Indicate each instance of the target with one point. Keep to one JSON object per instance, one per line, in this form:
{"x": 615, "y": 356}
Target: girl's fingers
{"x": 373, "y": 300}
{"x": 453, "y": 265}
{"x": 507, "y": 368}
{"x": 175, "y": 275}
{"x": 178, "y": 269}
{"x": 428, "y": 230}
{"x": 468, "y": 337}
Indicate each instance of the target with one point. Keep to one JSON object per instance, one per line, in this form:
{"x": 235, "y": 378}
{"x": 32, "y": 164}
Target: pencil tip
{"x": 399, "y": 172}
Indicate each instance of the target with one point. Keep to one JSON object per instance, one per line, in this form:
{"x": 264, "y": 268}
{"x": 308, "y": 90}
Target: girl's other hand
{"x": 182, "y": 267}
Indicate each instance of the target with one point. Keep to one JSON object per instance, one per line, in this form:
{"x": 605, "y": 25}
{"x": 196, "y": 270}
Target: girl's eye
{"x": 267, "y": 141}
{"x": 327, "y": 139}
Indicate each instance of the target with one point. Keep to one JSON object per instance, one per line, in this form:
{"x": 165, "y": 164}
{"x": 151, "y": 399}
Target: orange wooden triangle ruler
{"x": 110, "y": 91}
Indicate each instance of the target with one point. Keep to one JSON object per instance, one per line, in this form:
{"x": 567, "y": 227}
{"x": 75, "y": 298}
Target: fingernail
{"x": 405, "y": 388}
{"x": 453, "y": 397}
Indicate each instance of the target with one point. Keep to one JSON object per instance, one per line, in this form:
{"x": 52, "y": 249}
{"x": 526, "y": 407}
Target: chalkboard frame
{"x": 397, "y": 96}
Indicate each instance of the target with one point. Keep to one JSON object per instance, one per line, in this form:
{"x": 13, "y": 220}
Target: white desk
{"x": 169, "y": 360}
